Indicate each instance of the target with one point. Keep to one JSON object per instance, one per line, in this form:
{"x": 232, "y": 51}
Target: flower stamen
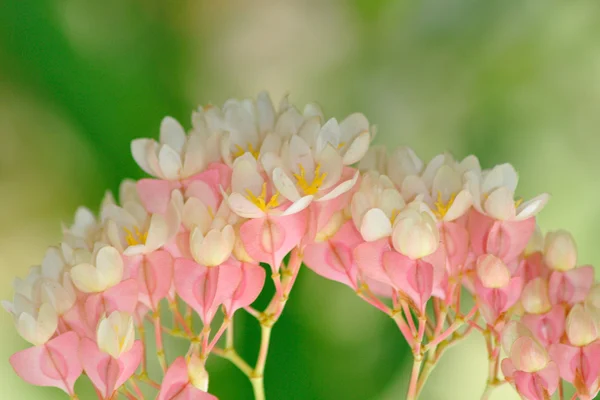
{"x": 441, "y": 207}
{"x": 260, "y": 201}
{"x": 136, "y": 237}
{"x": 313, "y": 187}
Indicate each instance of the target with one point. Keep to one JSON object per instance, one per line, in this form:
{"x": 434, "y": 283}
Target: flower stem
{"x": 414, "y": 380}
{"x": 160, "y": 349}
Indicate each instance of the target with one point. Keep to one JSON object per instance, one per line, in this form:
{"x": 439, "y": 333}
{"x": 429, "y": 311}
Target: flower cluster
{"x": 252, "y": 191}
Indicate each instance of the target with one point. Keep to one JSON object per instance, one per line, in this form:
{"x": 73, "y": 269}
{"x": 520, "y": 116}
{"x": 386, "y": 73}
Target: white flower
{"x": 176, "y": 156}
{"x": 375, "y": 206}
{"x": 35, "y": 320}
{"x": 304, "y": 171}
{"x": 401, "y": 163}
{"x": 132, "y": 230}
{"x": 105, "y": 271}
{"x": 560, "y": 251}
{"x": 493, "y": 194}
{"x": 442, "y": 185}
{"x": 415, "y": 233}
{"x": 212, "y": 237}
{"x": 250, "y": 195}
{"x": 116, "y": 334}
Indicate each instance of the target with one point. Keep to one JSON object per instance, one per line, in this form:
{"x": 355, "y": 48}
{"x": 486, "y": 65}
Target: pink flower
{"x": 178, "y": 383}
{"x": 55, "y": 363}
{"x": 529, "y": 367}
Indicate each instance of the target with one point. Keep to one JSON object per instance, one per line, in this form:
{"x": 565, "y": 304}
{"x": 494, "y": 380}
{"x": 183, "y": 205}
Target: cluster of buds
{"x": 253, "y": 191}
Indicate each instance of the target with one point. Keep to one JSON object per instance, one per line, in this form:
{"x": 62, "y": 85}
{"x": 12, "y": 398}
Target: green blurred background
{"x": 507, "y": 80}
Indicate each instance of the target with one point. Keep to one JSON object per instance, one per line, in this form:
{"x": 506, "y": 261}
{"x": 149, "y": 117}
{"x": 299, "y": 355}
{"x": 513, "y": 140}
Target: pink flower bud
{"x": 560, "y": 251}
{"x": 492, "y": 272}
{"x": 528, "y": 355}
{"x": 535, "y": 299}
{"x": 581, "y": 326}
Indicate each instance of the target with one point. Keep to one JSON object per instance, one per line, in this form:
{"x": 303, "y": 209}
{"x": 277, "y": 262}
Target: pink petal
{"x": 155, "y": 194}
{"x": 572, "y": 286}
{"x": 203, "y": 288}
{"x": 122, "y": 297}
{"x": 107, "y": 373}
{"x": 175, "y": 381}
{"x": 547, "y": 328}
{"x": 590, "y": 364}
{"x": 369, "y": 259}
{"x": 55, "y": 363}
{"x": 504, "y": 239}
{"x": 270, "y": 239}
{"x": 412, "y": 277}
{"x": 154, "y": 277}
{"x": 250, "y": 286}
{"x": 455, "y": 240}
{"x": 565, "y": 357}
{"x": 333, "y": 259}
{"x": 74, "y": 320}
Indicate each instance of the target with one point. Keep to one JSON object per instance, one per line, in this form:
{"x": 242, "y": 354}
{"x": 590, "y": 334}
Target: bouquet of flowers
{"x": 250, "y": 194}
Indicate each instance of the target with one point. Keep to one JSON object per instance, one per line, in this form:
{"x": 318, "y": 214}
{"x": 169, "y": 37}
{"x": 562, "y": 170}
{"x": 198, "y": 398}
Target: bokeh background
{"x": 510, "y": 81}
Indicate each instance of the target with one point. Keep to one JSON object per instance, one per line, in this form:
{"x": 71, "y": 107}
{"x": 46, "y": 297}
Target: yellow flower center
{"x": 441, "y": 208}
{"x": 136, "y": 237}
{"x": 313, "y": 187}
{"x": 395, "y": 213}
{"x": 240, "y": 151}
{"x": 518, "y": 202}
{"x": 260, "y": 201}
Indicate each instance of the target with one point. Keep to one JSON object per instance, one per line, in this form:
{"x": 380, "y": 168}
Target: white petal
{"x": 245, "y": 175}
{"x": 243, "y": 207}
{"x": 353, "y": 125}
{"x": 298, "y": 205}
{"x": 289, "y": 122}
{"x": 402, "y": 162}
{"x": 446, "y": 183}
{"x": 194, "y": 160}
{"x": 330, "y": 133}
{"x": 196, "y": 214}
{"x": 270, "y": 161}
{"x": 460, "y": 206}
{"x": 510, "y": 178}
{"x": 432, "y": 168}
{"x": 500, "y": 204}
{"x": 375, "y": 159}
{"x": 87, "y": 279}
{"x": 265, "y": 111}
{"x": 391, "y": 200}
{"x": 331, "y": 164}
{"x": 470, "y": 163}
{"x": 140, "y": 148}
{"x": 310, "y": 130}
{"x": 301, "y": 154}
{"x": 271, "y": 144}
{"x": 172, "y": 134}
{"x": 375, "y": 225}
{"x": 109, "y": 264}
{"x": 358, "y": 207}
{"x": 312, "y": 110}
{"x": 532, "y": 207}
{"x": 158, "y": 233}
{"x": 284, "y": 185}
{"x": 340, "y": 189}
{"x": 412, "y": 187}
{"x": 170, "y": 162}
{"x": 53, "y": 264}
{"x": 225, "y": 148}
{"x": 357, "y": 149}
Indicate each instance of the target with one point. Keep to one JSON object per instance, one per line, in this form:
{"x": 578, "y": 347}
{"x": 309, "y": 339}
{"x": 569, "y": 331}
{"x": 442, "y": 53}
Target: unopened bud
{"x": 528, "y": 355}
{"x": 535, "y": 299}
{"x": 492, "y": 272}
{"x": 581, "y": 326}
{"x": 560, "y": 251}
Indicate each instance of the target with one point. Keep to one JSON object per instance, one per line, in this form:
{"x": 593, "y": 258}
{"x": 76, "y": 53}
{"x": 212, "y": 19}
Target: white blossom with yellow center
{"x": 493, "y": 193}
{"x": 375, "y": 205}
{"x": 133, "y": 231}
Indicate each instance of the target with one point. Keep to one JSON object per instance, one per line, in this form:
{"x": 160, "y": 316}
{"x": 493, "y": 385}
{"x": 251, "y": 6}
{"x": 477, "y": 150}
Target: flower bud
{"x": 116, "y": 334}
{"x": 415, "y": 234}
{"x": 214, "y": 248}
{"x": 535, "y": 299}
{"x": 560, "y": 251}
{"x": 528, "y": 355}
{"x": 492, "y": 272}
{"x": 197, "y": 373}
{"x": 581, "y": 326}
